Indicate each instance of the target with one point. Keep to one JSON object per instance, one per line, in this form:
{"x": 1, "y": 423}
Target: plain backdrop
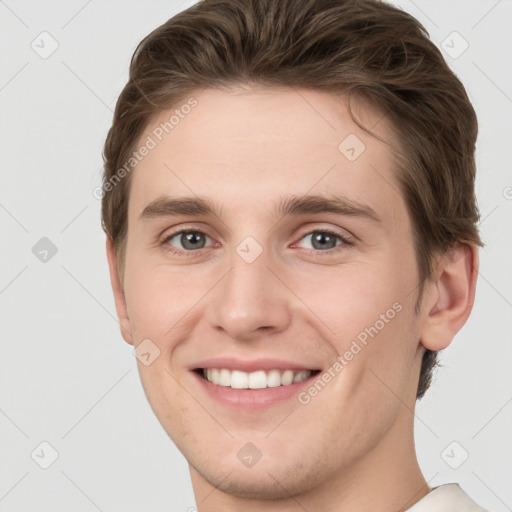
{"x": 69, "y": 381}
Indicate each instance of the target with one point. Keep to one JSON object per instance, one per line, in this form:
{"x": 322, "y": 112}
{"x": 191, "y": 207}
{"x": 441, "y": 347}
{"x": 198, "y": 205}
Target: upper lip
{"x": 232, "y": 363}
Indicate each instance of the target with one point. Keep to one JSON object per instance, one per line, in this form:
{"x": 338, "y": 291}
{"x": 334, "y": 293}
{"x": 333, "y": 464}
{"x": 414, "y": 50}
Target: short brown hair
{"x": 366, "y": 48}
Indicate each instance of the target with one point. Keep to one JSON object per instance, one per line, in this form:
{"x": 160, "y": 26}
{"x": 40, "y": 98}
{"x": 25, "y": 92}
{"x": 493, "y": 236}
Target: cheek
{"x": 367, "y": 314}
{"x": 351, "y": 298}
{"x": 158, "y": 297}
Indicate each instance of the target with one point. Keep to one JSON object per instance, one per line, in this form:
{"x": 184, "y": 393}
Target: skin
{"x": 352, "y": 446}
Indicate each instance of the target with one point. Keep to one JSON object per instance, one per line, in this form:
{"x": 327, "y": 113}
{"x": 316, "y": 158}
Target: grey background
{"x": 66, "y": 376}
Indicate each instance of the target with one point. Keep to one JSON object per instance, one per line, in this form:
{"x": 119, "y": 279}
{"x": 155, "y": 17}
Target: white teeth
{"x": 257, "y": 380}
{"x": 239, "y": 380}
{"x": 303, "y": 375}
{"x": 287, "y": 378}
{"x": 273, "y": 378}
{"x": 260, "y": 379}
{"x": 225, "y": 378}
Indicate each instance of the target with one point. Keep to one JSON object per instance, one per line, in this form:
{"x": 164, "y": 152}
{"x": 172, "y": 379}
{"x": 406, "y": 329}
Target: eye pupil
{"x": 324, "y": 240}
{"x": 189, "y": 240}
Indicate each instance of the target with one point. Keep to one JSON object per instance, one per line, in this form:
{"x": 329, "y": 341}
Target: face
{"x": 278, "y": 330}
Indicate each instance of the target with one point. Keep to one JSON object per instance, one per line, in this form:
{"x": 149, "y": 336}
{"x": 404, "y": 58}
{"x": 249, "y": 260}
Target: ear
{"x": 450, "y": 296}
{"x": 117, "y": 288}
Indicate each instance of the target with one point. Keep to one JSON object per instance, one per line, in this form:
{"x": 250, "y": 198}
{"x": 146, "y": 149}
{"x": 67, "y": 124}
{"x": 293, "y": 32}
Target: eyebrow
{"x": 189, "y": 206}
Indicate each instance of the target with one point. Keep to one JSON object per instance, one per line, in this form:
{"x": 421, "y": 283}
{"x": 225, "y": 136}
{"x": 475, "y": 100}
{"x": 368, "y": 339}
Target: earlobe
{"x": 452, "y": 295}
{"x": 117, "y": 289}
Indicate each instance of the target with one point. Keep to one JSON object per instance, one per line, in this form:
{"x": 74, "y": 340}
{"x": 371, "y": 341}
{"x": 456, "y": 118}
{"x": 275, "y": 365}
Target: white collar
{"x": 446, "y": 498}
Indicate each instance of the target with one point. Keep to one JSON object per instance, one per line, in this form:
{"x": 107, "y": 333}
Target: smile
{"x": 259, "y": 379}
{"x": 251, "y": 385}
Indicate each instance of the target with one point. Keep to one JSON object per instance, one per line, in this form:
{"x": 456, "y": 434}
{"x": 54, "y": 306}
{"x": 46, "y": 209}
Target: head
{"x": 247, "y": 103}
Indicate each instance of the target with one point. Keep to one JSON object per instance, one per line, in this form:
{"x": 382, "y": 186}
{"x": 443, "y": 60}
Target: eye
{"x": 325, "y": 240}
{"x": 190, "y": 241}
{"x": 322, "y": 241}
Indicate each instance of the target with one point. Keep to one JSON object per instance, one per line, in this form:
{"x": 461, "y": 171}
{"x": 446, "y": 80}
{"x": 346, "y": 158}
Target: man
{"x": 291, "y": 236}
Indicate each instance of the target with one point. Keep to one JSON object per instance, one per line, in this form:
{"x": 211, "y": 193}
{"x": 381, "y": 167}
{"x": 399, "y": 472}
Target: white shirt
{"x": 446, "y": 498}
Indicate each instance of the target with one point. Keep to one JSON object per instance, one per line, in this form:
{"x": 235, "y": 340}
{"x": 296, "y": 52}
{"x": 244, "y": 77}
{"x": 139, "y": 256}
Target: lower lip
{"x": 250, "y": 399}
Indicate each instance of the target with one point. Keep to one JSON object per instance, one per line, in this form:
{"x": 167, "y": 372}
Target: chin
{"x": 264, "y": 481}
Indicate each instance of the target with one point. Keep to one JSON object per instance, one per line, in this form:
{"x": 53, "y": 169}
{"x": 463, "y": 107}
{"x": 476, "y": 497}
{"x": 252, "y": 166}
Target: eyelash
{"x": 313, "y": 252}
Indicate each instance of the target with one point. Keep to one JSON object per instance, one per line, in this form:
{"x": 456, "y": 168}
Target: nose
{"x": 251, "y": 300}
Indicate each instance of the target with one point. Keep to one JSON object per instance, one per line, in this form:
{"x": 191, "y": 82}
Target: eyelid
{"x": 347, "y": 240}
{"x": 164, "y": 239}
{"x": 172, "y": 231}
{"x": 345, "y": 235}
{"x": 313, "y": 227}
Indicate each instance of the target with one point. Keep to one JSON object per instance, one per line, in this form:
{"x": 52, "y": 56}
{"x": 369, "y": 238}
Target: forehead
{"x": 246, "y": 144}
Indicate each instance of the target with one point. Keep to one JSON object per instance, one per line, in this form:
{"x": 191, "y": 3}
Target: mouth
{"x": 251, "y": 385}
{"x": 259, "y": 379}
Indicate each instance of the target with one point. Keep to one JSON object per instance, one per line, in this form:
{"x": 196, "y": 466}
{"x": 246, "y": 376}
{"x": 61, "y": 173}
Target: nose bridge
{"x": 250, "y": 297}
